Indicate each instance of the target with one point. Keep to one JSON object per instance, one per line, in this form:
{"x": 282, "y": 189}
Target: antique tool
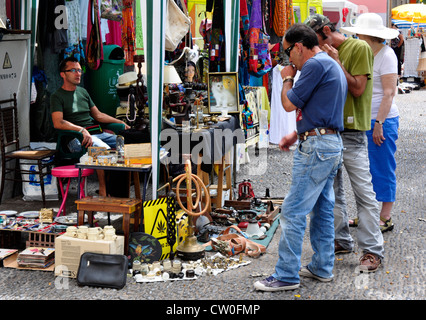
{"x": 270, "y": 215}
{"x": 245, "y": 215}
{"x": 189, "y": 249}
{"x": 238, "y": 204}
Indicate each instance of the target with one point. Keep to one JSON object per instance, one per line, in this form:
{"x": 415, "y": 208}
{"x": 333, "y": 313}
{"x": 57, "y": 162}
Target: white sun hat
{"x": 127, "y": 79}
{"x": 371, "y": 24}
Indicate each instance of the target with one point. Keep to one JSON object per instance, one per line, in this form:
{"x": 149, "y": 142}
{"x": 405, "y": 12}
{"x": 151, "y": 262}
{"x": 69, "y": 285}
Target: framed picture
{"x": 223, "y": 92}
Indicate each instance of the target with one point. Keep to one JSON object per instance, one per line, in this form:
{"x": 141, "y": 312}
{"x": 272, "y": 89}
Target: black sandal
{"x": 388, "y": 226}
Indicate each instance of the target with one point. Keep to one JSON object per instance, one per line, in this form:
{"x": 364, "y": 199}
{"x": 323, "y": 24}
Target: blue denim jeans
{"x": 315, "y": 164}
{"x": 104, "y": 139}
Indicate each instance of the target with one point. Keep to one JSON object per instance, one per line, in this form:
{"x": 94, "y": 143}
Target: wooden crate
{"x": 44, "y": 240}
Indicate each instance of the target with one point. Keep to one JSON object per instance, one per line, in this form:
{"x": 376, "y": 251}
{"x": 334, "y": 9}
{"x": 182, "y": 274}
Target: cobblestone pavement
{"x": 401, "y": 276}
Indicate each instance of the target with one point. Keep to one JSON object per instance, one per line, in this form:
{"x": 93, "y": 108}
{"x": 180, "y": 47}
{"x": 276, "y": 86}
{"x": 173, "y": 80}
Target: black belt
{"x": 313, "y": 132}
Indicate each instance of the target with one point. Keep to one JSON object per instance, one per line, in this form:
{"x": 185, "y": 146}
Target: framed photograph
{"x": 223, "y": 92}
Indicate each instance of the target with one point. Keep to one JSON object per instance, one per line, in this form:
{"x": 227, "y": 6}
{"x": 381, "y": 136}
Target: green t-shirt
{"x": 75, "y": 105}
{"x": 357, "y": 58}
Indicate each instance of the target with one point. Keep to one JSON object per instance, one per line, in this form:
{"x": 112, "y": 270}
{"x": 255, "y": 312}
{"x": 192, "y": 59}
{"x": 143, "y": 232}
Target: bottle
{"x": 120, "y": 149}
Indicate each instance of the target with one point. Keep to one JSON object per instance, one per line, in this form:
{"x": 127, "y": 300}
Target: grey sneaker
{"x": 305, "y": 272}
{"x": 272, "y": 284}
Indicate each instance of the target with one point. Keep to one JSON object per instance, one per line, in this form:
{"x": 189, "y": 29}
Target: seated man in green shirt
{"x": 73, "y": 109}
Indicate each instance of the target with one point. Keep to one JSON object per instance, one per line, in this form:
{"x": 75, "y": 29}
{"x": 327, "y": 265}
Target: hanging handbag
{"x": 94, "y": 53}
{"x": 259, "y": 57}
{"x": 111, "y": 9}
{"x": 177, "y": 25}
{"x": 102, "y": 270}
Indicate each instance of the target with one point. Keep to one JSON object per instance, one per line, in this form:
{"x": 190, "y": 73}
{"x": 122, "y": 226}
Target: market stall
{"x": 410, "y": 18}
{"x": 127, "y": 66}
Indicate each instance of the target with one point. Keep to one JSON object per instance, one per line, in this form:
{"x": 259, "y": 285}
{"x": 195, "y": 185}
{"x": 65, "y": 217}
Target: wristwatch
{"x": 379, "y": 122}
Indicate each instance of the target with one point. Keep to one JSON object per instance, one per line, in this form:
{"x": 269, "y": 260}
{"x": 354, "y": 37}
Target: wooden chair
{"x": 12, "y": 151}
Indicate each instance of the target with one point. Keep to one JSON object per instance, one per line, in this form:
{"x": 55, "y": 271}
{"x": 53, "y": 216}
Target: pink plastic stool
{"x": 68, "y": 172}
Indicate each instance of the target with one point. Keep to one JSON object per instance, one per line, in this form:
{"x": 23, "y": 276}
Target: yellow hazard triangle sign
{"x": 7, "y": 64}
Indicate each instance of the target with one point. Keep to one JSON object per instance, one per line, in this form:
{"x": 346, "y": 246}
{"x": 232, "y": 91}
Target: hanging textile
{"x": 75, "y": 47}
{"x": 281, "y": 122}
{"x": 217, "y": 41}
{"x": 83, "y": 21}
{"x": 244, "y": 18}
{"x": 50, "y": 37}
{"x": 243, "y": 75}
{"x": 114, "y": 35}
{"x": 94, "y": 53}
{"x": 289, "y": 16}
{"x": 73, "y": 18}
{"x": 279, "y": 20}
{"x": 128, "y": 32}
{"x": 139, "y": 35}
{"x": 259, "y": 57}
{"x": 111, "y": 10}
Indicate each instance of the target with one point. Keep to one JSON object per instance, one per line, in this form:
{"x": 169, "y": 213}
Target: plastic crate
{"x": 44, "y": 240}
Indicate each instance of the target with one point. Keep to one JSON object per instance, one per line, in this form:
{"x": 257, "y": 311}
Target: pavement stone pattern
{"x": 401, "y": 276}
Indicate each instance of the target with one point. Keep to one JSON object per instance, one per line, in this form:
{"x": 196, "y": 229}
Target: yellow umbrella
{"x": 413, "y": 12}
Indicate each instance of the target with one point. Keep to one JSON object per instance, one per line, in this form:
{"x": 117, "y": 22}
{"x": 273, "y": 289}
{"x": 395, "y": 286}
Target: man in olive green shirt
{"x": 356, "y": 60}
{"x": 72, "y": 108}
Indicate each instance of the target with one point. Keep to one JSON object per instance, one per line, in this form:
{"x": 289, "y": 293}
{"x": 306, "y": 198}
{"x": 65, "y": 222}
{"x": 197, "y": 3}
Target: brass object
{"x": 189, "y": 249}
{"x": 46, "y": 215}
{"x": 207, "y": 119}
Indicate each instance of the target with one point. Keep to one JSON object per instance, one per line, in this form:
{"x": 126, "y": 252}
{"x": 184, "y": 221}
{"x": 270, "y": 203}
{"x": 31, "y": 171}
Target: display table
{"x": 145, "y": 170}
{"x": 207, "y": 145}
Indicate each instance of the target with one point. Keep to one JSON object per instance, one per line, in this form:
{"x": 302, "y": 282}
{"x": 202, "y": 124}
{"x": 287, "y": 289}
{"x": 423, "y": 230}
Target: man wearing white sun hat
{"x": 384, "y": 112}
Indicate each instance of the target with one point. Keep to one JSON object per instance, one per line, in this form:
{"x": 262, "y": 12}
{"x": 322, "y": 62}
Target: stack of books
{"x": 36, "y": 257}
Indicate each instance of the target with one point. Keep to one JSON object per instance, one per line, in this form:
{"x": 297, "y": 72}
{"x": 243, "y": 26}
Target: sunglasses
{"x": 74, "y": 70}
{"x": 288, "y": 50}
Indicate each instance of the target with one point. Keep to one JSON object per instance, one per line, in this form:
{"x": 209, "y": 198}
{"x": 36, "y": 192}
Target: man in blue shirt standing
{"x": 318, "y": 97}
